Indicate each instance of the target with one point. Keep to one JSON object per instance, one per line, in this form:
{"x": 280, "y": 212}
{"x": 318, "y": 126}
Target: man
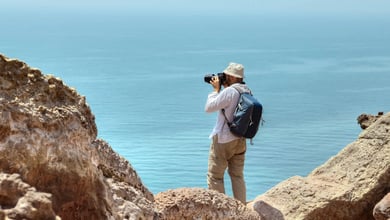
{"x": 226, "y": 150}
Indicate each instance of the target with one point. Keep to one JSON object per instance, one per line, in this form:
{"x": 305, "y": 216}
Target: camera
{"x": 221, "y": 77}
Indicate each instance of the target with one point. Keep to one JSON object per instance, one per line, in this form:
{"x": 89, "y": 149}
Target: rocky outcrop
{"x": 128, "y": 197}
{"x": 48, "y": 137}
{"x": 196, "y": 203}
{"x": 366, "y": 120}
{"x": 346, "y": 187}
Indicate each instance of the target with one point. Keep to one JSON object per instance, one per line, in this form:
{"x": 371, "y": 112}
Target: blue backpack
{"x": 246, "y": 116}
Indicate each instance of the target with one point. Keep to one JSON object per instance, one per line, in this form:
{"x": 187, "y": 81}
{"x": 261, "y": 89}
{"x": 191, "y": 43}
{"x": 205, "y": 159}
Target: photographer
{"x": 227, "y": 151}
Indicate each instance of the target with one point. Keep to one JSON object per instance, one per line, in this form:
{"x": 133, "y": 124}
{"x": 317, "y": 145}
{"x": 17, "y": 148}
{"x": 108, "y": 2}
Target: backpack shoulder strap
{"x": 237, "y": 89}
{"x": 223, "y": 110}
{"x": 228, "y": 122}
{"x": 241, "y": 90}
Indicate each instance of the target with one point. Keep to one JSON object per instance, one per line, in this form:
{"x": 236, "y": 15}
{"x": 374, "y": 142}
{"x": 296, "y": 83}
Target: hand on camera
{"x": 215, "y": 83}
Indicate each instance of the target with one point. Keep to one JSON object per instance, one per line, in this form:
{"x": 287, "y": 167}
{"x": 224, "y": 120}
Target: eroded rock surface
{"x": 366, "y": 120}
{"x": 346, "y": 187}
{"x": 18, "y": 200}
{"x": 197, "y": 203}
{"x": 48, "y": 137}
{"x": 382, "y": 209}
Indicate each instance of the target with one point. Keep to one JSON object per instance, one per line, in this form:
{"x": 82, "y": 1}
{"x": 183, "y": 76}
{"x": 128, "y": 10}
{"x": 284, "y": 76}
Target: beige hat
{"x": 235, "y": 69}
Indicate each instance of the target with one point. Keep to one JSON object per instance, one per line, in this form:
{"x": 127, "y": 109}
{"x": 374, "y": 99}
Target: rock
{"x": 266, "y": 211}
{"x": 18, "y": 200}
{"x": 346, "y": 187}
{"x": 382, "y": 209}
{"x": 365, "y": 120}
{"x": 48, "y": 137}
{"x": 197, "y": 203}
{"x": 129, "y": 198}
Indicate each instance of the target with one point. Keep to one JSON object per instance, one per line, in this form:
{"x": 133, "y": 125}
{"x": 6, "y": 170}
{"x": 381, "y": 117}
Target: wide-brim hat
{"x": 235, "y": 69}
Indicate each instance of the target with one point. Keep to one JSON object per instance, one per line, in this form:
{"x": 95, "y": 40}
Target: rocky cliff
{"x": 48, "y": 138}
{"x": 346, "y": 187}
{"x": 53, "y": 166}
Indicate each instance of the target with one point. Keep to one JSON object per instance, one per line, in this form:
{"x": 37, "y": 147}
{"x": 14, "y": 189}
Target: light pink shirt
{"x": 227, "y": 99}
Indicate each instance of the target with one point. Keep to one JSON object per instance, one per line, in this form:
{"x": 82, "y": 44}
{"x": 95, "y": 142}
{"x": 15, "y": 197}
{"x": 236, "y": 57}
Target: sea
{"x": 142, "y": 76}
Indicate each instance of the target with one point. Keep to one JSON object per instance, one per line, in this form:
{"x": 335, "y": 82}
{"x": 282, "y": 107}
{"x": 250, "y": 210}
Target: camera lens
{"x": 208, "y": 77}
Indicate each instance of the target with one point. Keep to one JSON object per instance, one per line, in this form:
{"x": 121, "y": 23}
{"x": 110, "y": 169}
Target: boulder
{"x": 346, "y": 187}
{"x": 197, "y": 203}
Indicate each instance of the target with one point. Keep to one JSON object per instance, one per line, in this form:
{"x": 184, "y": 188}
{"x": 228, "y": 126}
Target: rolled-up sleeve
{"x": 211, "y": 102}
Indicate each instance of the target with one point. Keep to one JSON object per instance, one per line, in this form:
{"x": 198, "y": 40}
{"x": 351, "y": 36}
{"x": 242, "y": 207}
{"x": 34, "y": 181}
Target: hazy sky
{"x": 232, "y": 7}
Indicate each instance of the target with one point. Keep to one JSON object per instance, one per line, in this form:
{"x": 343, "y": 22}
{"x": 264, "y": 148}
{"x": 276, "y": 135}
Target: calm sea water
{"x": 143, "y": 78}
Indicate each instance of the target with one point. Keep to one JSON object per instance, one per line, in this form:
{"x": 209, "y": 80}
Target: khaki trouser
{"x": 229, "y": 155}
